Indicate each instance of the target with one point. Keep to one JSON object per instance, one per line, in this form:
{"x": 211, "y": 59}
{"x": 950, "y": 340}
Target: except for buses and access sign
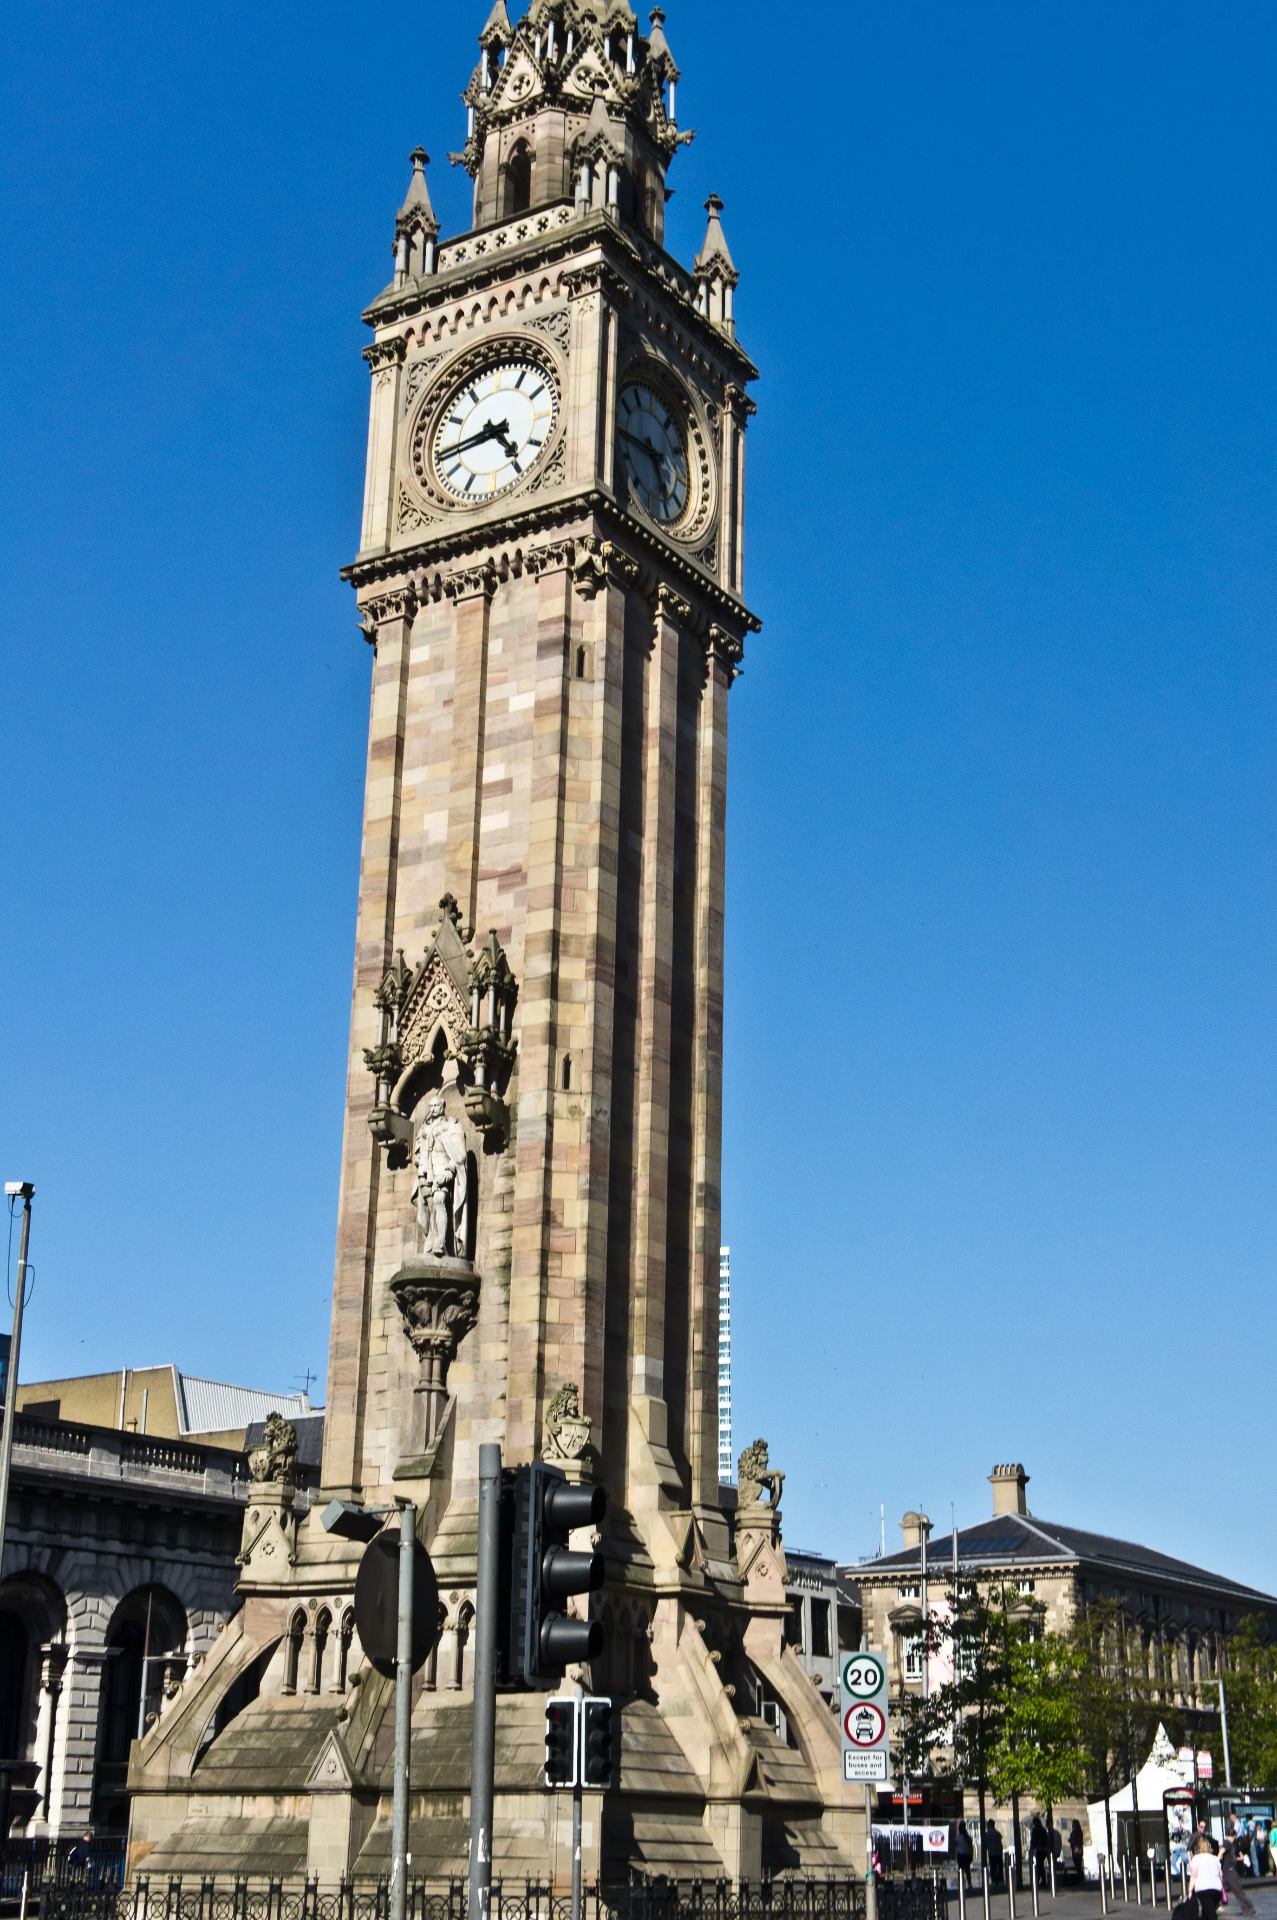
{"x": 865, "y": 1730}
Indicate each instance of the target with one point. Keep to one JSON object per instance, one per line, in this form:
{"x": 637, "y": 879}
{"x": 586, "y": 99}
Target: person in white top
{"x": 1205, "y": 1879}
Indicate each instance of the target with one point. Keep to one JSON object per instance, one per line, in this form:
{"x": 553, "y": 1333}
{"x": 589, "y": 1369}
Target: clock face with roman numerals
{"x": 494, "y": 430}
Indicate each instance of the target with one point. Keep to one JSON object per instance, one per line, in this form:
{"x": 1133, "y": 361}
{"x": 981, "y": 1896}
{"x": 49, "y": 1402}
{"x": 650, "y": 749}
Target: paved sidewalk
{"x": 1083, "y": 1903}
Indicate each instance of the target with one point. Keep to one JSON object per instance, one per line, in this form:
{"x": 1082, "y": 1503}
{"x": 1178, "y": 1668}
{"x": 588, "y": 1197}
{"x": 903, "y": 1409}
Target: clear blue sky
{"x": 1001, "y": 1111}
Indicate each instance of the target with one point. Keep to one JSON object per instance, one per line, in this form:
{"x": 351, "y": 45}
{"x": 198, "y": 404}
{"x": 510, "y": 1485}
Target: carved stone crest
{"x": 567, "y": 1429}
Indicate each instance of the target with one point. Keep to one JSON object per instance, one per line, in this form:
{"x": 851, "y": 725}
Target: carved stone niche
{"x": 445, "y": 1023}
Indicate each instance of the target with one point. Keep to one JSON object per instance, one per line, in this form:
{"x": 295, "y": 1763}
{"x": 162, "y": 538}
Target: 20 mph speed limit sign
{"x": 866, "y": 1734}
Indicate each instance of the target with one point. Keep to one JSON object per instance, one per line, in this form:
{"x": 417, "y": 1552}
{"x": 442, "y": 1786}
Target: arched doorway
{"x": 15, "y": 1675}
{"x": 145, "y": 1647}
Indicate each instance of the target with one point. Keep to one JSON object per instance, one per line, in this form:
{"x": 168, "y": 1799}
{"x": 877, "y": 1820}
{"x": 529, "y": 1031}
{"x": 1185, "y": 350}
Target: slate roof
{"x": 1011, "y": 1540}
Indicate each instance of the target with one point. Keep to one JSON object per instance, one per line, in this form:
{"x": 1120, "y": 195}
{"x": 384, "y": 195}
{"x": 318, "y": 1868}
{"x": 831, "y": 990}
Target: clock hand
{"x": 649, "y": 450}
{"x": 495, "y": 430}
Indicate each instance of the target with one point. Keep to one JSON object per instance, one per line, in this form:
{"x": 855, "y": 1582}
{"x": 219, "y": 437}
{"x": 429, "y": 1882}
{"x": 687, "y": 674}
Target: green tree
{"x": 1040, "y": 1749}
{"x": 1251, "y": 1684}
{"x": 1112, "y": 1705}
{"x": 957, "y": 1732}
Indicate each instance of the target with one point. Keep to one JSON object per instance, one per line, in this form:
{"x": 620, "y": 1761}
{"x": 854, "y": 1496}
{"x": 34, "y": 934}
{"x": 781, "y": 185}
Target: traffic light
{"x": 553, "y": 1640}
{"x": 536, "y": 1638}
{"x": 560, "y": 1743}
{"x": 596, "y": 1742}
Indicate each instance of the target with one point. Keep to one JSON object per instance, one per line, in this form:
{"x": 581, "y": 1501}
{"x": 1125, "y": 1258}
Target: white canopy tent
{"x": 1161, "y": 1771}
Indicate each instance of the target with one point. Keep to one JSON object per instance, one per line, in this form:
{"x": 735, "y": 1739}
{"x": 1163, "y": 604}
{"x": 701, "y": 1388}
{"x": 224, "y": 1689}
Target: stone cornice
{"x": 560, "y": 243}
{"x": 444, "y": 552}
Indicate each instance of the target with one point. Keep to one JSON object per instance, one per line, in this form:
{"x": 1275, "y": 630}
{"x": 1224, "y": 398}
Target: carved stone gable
{"x": 438, "y": 997}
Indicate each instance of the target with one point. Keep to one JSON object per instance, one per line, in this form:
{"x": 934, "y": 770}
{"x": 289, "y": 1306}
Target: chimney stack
{"x": 914, "y": 1527}
{"x": 1008, "y": 1485}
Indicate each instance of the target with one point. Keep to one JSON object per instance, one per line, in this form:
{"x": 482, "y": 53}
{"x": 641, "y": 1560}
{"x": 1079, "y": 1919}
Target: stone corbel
{"x": 387, "y": 353}
{"x": 488, "y": 1115}
{"x": 438, "y": 1300}
{"x": 599, "y": 562}
{"x": 465, "y": 583}
{"x": 726, "y": 648}
{"x": 399, "y": 604}
{"x": 672, "y": 606}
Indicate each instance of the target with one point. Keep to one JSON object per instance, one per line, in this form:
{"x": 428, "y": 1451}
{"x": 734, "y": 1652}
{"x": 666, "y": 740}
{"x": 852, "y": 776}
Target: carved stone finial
{"x": 448, "y": 909}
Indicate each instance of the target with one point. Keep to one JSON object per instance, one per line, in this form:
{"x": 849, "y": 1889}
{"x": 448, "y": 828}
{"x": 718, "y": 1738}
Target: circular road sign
{"x": 863, "y": 1675}
{"x": 864, "y": 1725}
{"x": 377, "y": 1603}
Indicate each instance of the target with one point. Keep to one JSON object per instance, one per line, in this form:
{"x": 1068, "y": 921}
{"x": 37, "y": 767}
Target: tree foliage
{"x": 1251, "y": 1683}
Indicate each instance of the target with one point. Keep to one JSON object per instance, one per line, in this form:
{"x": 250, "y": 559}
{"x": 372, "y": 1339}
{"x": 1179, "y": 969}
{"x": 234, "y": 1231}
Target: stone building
{"x": 550, "y": 576}
{"x": 161, "y": 1401}
{"x": 1180, "y": 1614}
{"x": 812, "y": 1626}
{"x": 119, "y": 1569}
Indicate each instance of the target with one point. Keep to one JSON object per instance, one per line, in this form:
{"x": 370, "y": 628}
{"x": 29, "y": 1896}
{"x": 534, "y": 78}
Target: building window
{"x": 518, "y": 181}
{"x": 820, "y": 1628}
{"x": 794, "y": 1626}
{"x": 911, "y": 1593}
{"x": 914, "y": 1649}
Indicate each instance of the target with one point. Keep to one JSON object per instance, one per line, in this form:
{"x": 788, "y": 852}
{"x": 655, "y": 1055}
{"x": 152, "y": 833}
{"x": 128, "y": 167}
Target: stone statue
{"x": 441, "y": 1188}
{"x": 752, "y": 1475}
{"x": 276, "y": 1457}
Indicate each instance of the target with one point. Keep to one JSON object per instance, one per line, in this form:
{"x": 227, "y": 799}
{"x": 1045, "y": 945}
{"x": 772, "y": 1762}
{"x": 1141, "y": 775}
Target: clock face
{"x": 494, "y": 430}
{"x": 654, "y": 454}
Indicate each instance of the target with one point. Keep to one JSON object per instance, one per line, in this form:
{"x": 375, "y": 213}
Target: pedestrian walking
{"x": 1040, "y": 1850}
{"x": 1232, "y": 1878}
{"x": 1077, "y": 1847}
{"x": 1205, "y": 1879}
{"x": 964, "y": 1852}
{"x": 993, "y": 1853}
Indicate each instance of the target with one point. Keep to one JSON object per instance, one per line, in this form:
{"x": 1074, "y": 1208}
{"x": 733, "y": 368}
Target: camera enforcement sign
{"x": 865, "y": 1731}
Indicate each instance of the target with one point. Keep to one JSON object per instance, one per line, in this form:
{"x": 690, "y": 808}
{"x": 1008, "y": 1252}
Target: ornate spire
{"x": 416, "y": 228}
{"x": 497, "y": 30}
{"x": 549, "y": 90}
{"x": 715, "y": 271}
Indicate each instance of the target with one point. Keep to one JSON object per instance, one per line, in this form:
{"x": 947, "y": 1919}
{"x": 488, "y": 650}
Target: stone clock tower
{"x": 550, "y": 579}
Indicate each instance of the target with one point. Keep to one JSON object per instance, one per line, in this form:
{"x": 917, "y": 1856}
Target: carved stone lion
{"x": 753, "y": 1474}
{"x": 276, "y": 1458}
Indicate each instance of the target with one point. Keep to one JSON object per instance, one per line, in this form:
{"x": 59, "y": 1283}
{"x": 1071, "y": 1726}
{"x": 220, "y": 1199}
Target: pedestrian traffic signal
{"x": 596, "y": 1742}
{"x": 561, "y": 1743}
{"x": 552, "y": 1639}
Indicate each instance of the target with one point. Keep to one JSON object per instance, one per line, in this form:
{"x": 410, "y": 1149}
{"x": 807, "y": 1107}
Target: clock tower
{"x": 550, "y": 581}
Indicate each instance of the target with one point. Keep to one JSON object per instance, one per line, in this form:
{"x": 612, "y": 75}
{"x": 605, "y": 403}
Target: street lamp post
{"x": 24, "y": 1191}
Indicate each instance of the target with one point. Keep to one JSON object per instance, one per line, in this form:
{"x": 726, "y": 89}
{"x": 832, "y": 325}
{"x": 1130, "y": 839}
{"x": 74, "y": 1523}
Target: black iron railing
{"x": 64, "y": 1898}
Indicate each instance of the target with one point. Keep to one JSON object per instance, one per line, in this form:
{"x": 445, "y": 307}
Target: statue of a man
{"x": 441, "y": 1189}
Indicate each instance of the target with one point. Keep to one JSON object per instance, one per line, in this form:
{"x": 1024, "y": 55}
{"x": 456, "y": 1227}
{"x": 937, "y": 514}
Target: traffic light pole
{"x": 485, "y": 1682}
{"x": 576, "y": 1851}
{"x": 403, "y": 1716}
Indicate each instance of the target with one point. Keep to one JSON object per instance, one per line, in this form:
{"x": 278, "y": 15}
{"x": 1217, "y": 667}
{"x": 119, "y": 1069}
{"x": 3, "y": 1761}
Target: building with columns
{"x": 118, "y": 1572}
{"x": 550, "y": 579}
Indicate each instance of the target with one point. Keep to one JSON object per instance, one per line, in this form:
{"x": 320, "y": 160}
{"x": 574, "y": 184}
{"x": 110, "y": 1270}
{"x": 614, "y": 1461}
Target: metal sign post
{"x": 865, "y": 1743}
{"x": 482, "y": 1763}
